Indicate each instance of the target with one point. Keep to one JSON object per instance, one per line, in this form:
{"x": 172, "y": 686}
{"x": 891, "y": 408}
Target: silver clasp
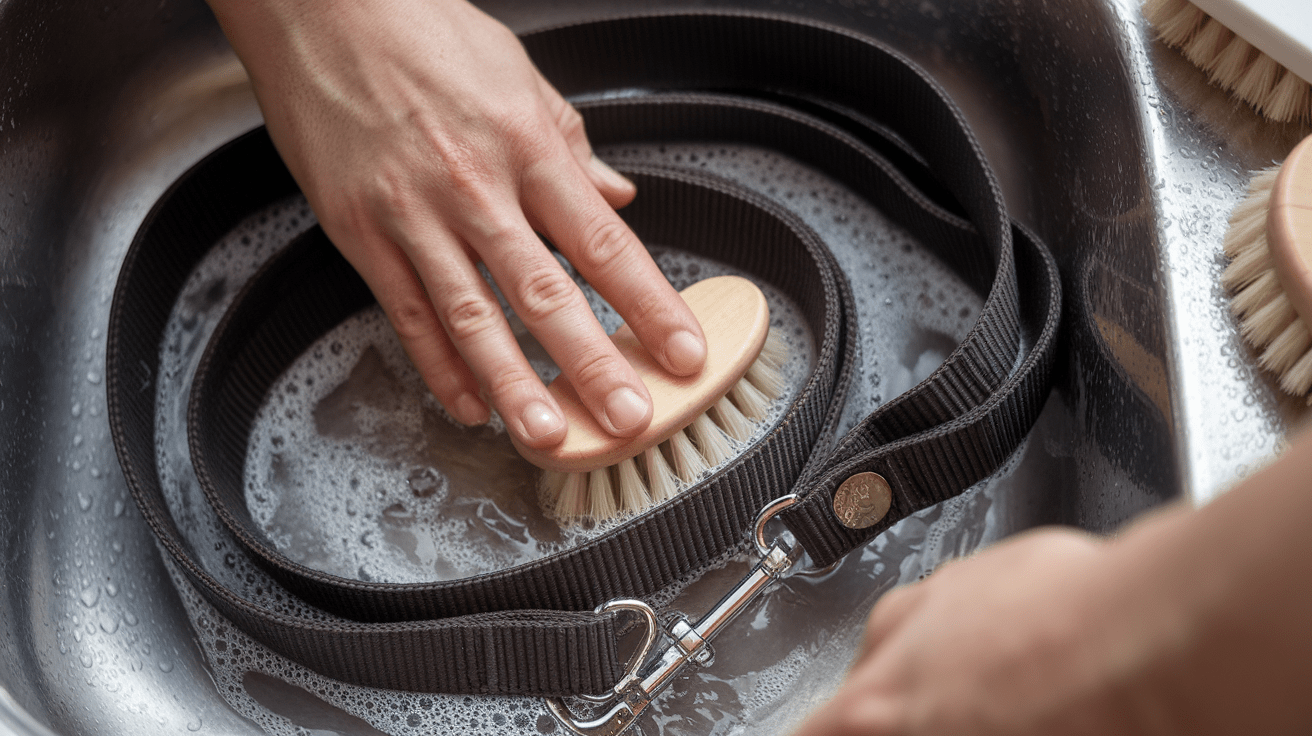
{"x": 646, "y": 678}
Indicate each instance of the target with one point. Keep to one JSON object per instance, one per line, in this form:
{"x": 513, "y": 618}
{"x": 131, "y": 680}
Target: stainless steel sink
{"x": 1112, "y": 147}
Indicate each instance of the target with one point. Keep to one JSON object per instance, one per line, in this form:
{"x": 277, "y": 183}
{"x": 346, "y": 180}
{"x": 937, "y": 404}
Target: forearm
{"x": 1233, "y": 584}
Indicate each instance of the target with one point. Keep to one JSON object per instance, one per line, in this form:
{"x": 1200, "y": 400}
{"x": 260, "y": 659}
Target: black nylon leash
{"x": 818, "y": 94}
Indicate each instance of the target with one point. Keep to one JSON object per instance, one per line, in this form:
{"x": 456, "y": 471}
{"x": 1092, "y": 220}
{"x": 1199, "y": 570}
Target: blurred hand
{"x": 427, "y": 142}
{"x": 1027, "y": 638}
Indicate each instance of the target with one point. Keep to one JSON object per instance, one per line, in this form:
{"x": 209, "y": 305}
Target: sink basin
{"x": 1113, "y": 148}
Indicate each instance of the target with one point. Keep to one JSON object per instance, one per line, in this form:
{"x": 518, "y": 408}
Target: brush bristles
{"x": 1285, "y": 350}
{"x": 1267, "y": 319}
{"x": 661, "y": 481}
{"x": 571, "y": 495}
{"x": 1258, "y": 292}
{"x": 602, "y": 498}
{"x": 749, "y": 400}
{"x": 731, "y": 420}
{"x": 1298, "y": 379}
{"x": 1231, "y": 62}
{"x": 680, "y": 461}
{"x": 712, "y": 443}
{"x": 1265, "y": 324}
{"x": 688, "y": 463}
{"x": 632, "y": 488}
{"x": 774, "y": 354}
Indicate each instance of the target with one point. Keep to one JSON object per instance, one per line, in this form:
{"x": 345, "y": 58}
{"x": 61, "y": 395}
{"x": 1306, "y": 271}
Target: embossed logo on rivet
{"x": 862, "y": 500}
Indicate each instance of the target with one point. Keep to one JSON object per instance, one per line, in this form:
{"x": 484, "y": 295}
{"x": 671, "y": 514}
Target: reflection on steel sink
{"x": 1111, "y": 147}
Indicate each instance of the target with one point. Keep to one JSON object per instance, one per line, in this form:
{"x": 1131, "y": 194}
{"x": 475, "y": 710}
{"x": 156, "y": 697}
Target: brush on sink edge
{"x": 696, "y": 420}
{"x": 1258, "y": 50}
{"x": 1270, "y": 273}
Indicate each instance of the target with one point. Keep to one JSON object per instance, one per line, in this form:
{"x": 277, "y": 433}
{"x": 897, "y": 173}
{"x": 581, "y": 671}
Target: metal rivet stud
{"x": 862, "y": 500}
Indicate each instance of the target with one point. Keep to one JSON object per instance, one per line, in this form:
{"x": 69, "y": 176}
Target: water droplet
{"x": 195, "y": 725}
{"x": 93, "y": 378}
{"x": 111, "y": 589}
{"x": 83, "y": 501}
{"x": 90, "y": 596}
{"x": 109, "y": 626}
{"x": 165, "y": 666}
{"x": 129, "y": 618}
{"x": 77, "y": 439}
{"x": 86, "y": 660}
{"x": 118, "y": 511}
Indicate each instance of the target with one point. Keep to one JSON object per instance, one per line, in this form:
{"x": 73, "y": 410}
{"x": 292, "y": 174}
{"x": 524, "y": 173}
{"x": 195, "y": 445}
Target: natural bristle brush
{"x": 696, "y": 420}
{"x": 1258, "y": 50}
{"x": 1270, "y": 248}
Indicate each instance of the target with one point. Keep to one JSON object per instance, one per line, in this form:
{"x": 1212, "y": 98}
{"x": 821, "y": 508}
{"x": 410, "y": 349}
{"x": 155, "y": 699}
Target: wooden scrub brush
{"x": 696, "y": 420}
{"x": 1258, "y": 50}
{"x": 1270, "y": 248}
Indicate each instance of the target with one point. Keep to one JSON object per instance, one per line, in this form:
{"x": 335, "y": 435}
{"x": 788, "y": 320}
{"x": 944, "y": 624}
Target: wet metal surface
{"x": 1112, "y": 147}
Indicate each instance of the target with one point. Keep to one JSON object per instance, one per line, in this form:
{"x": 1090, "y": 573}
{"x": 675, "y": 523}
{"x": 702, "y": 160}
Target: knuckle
{"x": 545, "y": 291}
{"x": 412, "y": 318}
{"x": 645, "y": 306}
{"x": 535, "y": 142}
{"x": 501, "y": 230}
{"x": 466, "y": 176}
{"x": 388, "y": 193}
{"x": 513, "y": 381}
{"x": 470, "y": 315}
{"x": 594, "y": 367}
{"x": 606, "y": 241}
{"x": 463, "y": 167}
{"x": 570, "y": 122}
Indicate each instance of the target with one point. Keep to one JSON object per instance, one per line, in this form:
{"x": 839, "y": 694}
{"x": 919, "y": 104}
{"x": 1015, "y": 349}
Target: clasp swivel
{"x": 689, "y": 642}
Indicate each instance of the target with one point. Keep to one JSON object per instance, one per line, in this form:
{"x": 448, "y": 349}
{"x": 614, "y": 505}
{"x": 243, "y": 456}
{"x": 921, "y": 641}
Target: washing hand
{"x": 1190, "y": 623}
{"x": 427, "y": 143}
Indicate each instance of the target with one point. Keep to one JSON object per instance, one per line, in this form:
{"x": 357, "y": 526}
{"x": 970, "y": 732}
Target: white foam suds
{"x": 353, "y": 468}
{"x": 351, "y": 471}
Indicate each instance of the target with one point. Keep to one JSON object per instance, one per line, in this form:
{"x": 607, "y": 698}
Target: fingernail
{"x": 625, "y": 408}
{"x": 684, "y": 352}
{"x": 541, "y": 420}
{"x": 470, "y": 410}
{"x": 611, "y": 176}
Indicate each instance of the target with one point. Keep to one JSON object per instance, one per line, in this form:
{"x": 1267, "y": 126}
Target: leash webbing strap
{"x": 834, "y": 100}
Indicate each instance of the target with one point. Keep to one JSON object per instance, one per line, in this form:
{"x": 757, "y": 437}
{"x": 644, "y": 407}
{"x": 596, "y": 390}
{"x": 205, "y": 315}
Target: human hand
{"x": 427, "y": 142}
{"x": 1190, "y": 622}
{"x": 1033, "y": 636}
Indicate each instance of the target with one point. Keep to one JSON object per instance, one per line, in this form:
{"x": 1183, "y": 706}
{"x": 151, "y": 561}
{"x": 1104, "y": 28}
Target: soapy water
{"x": 781, "y": 658}
{"x": 353, "y": 468}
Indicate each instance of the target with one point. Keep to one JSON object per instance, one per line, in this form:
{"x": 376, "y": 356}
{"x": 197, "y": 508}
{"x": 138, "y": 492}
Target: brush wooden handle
{"x": 735, "y": 319}
{"x": 1289, "y": 228}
